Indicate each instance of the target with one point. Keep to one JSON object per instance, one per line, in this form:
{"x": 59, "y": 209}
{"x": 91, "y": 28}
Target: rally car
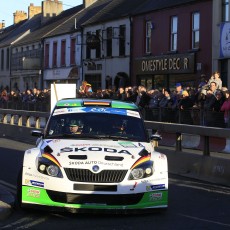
{"x": 94, "y": 155}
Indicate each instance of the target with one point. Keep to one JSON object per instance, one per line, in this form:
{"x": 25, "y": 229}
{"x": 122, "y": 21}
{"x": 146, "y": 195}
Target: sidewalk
{"x": 7, "y": 201}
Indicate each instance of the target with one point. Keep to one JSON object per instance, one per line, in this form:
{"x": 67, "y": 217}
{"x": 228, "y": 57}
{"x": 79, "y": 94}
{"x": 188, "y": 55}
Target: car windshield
{"x": 96, "y": 126}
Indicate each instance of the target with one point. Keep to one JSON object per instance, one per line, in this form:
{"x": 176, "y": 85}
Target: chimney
{"x": 2, "y": 24}
{"x": 19, "y": 16}
{"x": 87, "y": 3}
{"x": 51, "y": 8}
{"x": 33, "y": 10}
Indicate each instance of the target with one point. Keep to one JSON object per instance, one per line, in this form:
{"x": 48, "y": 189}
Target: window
{"x": 148, "y": 37}
{"x": 72, "y": 51}
{"x": 88, "y": 50}
{"x": 55, "y": 54}
{"x": 46, "y": 55}
{"x": 122, "y": 40}
{"x": 109, "y": 33}
{"x": 98, "y": 49}
{"x": 7, "y": 58}
{"x": 225, "y": 10}
{"x": 63, "y": 52}
{"x": 174, "y": 28}
{"x": 2, "y": 60}
{"x": 195, "y": 30}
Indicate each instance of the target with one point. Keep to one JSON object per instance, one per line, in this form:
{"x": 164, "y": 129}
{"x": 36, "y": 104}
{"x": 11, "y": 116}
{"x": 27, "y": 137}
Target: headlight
{"x": 52, "y": 170}
{"x": 48, "y": 165}
{"x": 142, "y": 171}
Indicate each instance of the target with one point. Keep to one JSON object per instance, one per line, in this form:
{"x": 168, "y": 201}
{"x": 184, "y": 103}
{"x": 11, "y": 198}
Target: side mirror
{"x": 155, "y": 137}
{"x": 37, "y": 133}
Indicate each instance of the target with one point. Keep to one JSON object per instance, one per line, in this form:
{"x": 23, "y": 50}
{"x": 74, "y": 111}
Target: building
{"x": 172, "y": 43}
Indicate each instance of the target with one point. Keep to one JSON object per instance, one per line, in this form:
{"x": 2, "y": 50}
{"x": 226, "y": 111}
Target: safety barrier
{"x": 203, "y": 165}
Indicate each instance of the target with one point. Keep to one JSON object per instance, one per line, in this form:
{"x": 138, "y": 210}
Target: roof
{"x": 45, "y": 29}
{"x": 76, "y": 20}
{"x": 21, "y": 29}
{"x": 124, "y": 8}
{"x": 151, "y": 5}
{"x": 96, "y": 102}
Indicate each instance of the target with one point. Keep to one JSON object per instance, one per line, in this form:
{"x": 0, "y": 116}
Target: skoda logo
{"x": 95, "y": 168}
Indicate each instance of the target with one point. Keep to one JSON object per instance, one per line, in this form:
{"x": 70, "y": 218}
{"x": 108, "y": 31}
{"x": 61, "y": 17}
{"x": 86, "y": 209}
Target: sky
{"x": 8, "y": 7}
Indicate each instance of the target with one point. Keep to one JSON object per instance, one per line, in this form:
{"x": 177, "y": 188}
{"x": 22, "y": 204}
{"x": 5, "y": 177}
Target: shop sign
{"x": 225, "y": 40}
{"x": 167, "y": 64}
{"x": 93, "y": 41}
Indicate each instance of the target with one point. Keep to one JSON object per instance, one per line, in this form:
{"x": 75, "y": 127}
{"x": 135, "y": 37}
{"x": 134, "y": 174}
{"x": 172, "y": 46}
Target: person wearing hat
{"x": 74, "y": 127}
{"x": 179, "y": 88}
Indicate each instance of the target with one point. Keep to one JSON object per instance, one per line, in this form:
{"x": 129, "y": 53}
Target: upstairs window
{"x": 122, "y": 40}
{"x": 46, "y": 55}
{"x": 98, "y": 49}
{"x": 7, "y": 59}
{"x": 174, "y": 29}
{"x": 2, "y": 60}
{"x": 109, "y": 33}
{"x": 55, "y": 54}
{"x": 72, "y": 51}
{"x": 195, "y": 30}
{"x": 148, "y": 37}
{"x": 225, "y": 10}
{"x": 63, "y": 52}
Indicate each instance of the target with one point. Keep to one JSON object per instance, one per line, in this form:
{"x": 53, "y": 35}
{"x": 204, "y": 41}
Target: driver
{"x": 75, "y": 127}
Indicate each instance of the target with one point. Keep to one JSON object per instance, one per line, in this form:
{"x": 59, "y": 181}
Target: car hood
{"x": 104, "y": 153}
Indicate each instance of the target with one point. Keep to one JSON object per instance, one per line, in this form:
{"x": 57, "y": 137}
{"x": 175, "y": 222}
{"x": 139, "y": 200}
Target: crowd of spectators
{"x": 173, "y": 105}
{"x": 28, "y": 97}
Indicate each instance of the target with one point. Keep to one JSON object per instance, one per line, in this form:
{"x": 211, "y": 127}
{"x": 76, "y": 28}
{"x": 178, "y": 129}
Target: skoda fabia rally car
{"x": 94, "y": 155}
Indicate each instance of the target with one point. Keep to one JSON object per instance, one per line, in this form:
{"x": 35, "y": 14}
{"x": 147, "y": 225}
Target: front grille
{"x": 115, "y": 199}
{"x": 105, "y": 176}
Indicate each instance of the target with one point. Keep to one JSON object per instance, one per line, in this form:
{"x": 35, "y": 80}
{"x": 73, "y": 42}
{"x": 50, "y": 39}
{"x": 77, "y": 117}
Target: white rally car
{"x": 94, "y": 155}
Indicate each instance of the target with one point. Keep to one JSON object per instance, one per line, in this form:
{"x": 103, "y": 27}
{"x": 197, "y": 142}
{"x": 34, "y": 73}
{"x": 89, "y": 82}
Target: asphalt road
{"x": 193, "y": 205}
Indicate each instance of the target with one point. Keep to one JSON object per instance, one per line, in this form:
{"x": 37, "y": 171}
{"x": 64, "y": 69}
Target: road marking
{"x": 17, "y": 222}
{"x": 25, "y": 223}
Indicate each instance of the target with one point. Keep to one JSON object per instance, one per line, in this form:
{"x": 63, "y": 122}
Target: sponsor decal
{"x": 133, "y": 113}
{"x": 37, "y": 183}
{"x": 162, "y": 156}
{"x": 34, "y": 183}
{"x": 141, "y": 160}
{"x": 155, "y": 196}
{"x": 80, "y": 145}
{"x": 35, "y": 176}
{"x": 33, "y": 193}
{"x": 59, "y": 111}
{"x": 127, "y": 144}
{"x": 101, "y": 149}
{"x": 51, "y": 158}
{"x": 95, "y": 163}
{"x": 66, "y": 149}
{"x": 155, "y": 187}
{"x": 134, "y": 186}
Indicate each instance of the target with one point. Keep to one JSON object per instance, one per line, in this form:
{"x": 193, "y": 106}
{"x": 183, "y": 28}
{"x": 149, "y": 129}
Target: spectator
{"x": 185, "y": 104}
{"x": 85, "y": 88}
{"x": 179, "y": 89}
{"x": 4, "y": 96}
{"x": 226, "y": 109}
{"x": 216, "y": 78}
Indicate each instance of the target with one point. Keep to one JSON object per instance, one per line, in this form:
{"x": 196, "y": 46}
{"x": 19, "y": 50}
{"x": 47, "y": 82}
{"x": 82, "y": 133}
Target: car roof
{"x": 87, "y": 102}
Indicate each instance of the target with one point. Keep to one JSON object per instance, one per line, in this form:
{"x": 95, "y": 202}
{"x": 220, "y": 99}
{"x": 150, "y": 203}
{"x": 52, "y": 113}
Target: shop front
{"x": 165, "y": 71}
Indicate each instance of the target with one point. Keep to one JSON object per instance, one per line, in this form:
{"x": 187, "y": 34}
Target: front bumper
{"x": 77, "y": 203}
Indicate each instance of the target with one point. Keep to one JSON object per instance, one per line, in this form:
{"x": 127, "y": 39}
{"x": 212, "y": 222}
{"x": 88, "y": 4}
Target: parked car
{"x": 94, "y": 155}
